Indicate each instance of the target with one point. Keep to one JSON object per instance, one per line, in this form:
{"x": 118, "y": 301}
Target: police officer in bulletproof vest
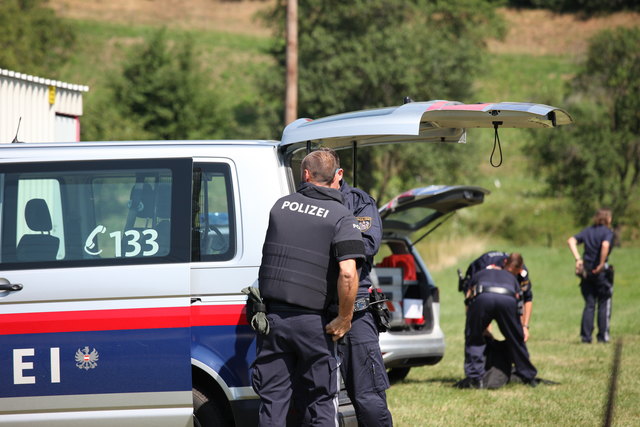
{"x": 362, "y": 366}
{"x": 310, "y": 258}
{"x": 493, "y": 295}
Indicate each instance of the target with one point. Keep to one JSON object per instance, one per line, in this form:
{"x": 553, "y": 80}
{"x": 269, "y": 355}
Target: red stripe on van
{"x": 447, "y": 105}
{"x": 218, "y": 315}
{"x": 123, "y": 319}
{"x": 465, "y": 107}
{"x": 437, "y": 105}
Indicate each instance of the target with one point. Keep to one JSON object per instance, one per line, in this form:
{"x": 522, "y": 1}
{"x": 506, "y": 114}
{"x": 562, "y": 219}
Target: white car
{"x": 415, "y": 337}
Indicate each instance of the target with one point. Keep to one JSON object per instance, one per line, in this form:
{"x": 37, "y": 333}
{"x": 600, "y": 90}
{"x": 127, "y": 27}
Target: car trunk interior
{"x": 407, "y": 287}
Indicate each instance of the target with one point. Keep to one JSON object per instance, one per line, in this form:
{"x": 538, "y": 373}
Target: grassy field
{"x": 427, "y": 397}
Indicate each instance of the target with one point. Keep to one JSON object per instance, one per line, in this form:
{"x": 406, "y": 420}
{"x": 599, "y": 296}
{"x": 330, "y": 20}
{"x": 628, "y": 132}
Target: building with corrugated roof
{"x": 36, "y": 109}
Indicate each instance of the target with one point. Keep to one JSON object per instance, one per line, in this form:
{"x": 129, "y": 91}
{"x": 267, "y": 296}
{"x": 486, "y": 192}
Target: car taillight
{"x": 419, "y": 321}
{"x": 390, "y": 305}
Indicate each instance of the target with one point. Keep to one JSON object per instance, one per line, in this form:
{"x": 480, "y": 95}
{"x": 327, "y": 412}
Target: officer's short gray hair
{"x": 333, "y": 152}
{"x": 322, "y": 167}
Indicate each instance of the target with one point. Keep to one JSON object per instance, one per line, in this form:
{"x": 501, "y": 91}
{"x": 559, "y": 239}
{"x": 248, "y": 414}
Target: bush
{"x": 161, "y": 94}
{"x": 33, "y": 39}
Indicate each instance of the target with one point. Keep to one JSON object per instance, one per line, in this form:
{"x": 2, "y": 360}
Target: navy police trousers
{"x": 296, "y": 358}
{"x": 504, "y": 310}
{"x": 364, "y": 373}
{"x": 596, "y": 290}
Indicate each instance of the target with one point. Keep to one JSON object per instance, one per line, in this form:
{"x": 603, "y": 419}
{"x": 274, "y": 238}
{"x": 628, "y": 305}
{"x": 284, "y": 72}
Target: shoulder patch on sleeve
{"x": 364, "y": 223}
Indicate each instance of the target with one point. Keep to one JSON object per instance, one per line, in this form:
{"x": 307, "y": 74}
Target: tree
{"x": 597, "y": 161}
{"x": 33, "y": 40}
{"x": 368, "y": 54}
{"x": 161, "y": 94}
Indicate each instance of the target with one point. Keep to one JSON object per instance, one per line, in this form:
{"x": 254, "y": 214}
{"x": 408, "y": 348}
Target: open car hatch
{"x": 431, "y": 121}
{"x": 417, "y": 208}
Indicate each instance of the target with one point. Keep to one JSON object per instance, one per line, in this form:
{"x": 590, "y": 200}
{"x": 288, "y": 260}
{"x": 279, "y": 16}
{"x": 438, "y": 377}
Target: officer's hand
{"x": 598, "y": 269}
{"x": 526, "y": 333}
{"x": 487, "y": 333}
{"x": 338, "y": 327}
{"x": 579, "y": 267}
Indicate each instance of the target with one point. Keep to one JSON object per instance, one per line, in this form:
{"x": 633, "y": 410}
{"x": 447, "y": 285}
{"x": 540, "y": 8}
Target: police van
{"x": 122, "y": 264}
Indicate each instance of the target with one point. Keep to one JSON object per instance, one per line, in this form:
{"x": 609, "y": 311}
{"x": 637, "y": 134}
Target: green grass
{"x": 427, "y": 397}
{"x": 525, "y": 78}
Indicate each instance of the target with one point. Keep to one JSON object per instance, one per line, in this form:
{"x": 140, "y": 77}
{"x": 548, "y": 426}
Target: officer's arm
{"x": 604, "y": 251}
{"x": 373, "y": 235}
{"x": 573, "y": 246}
{"x": 526, "y": 316}
{"x": 347, "y": 289}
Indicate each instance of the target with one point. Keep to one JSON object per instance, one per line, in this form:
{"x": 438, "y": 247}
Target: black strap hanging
{"x": 354, "y": 163}
{"x": 496, "y": 142}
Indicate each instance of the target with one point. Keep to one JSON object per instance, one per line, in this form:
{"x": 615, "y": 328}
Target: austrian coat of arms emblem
{"x": 86, "y": 359}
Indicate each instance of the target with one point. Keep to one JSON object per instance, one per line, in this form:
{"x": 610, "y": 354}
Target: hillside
{"x": 225, "y": 16}
{"x": 534, "y": 32}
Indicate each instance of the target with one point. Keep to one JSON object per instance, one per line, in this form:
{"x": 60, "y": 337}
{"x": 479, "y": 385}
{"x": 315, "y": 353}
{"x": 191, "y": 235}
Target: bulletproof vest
{"x": 500, "y": 278}
{"x": 497, "y": 258}
{"x": 299, "y": 263}
{"x": 488, "y": 258}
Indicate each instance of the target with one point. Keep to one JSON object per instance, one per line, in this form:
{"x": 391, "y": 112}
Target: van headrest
{"x": 37, "y": 215}
{"x": 141, "y": 200}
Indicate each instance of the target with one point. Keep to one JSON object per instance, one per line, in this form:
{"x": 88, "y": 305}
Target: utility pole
{"x": 291, "y": 97}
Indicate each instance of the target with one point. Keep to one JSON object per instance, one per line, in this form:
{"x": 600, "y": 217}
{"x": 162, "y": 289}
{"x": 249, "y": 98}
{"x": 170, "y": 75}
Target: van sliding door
{"x": 94, "y": 303}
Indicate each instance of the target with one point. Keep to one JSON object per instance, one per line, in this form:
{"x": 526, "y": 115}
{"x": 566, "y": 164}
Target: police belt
{"x": 495, "y": 290}
{"x": 283, "y": 307}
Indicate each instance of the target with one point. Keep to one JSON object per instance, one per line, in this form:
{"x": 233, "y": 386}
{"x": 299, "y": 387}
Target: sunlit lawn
{"x": 427, "y": 397}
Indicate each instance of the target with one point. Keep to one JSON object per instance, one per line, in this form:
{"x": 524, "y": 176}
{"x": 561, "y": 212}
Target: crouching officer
{"x": 493, "y": 259}
{"x": 493, "y": 295}
{"x": 310, "y": 258}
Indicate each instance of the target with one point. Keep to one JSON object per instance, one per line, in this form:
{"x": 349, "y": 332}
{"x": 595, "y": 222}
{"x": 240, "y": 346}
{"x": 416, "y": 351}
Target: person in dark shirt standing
{"x": 596, "y": 276}
{"x": 493, "y": 295}
{"x": 310, "y": 258}
{"x": 362, "y": 366}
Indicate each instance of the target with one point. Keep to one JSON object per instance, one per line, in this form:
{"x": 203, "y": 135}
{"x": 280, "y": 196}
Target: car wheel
{"x": 397, "y": 374}
{"x": 205, "y": 412}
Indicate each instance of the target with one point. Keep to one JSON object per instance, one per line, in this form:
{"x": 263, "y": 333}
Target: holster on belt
{"x": 256, "y": 310}
{"x": 378, "y": 307}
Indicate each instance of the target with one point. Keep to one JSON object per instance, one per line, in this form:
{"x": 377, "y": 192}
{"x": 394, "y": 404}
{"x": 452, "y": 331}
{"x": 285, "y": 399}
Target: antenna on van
{"x": 15, "y": 138}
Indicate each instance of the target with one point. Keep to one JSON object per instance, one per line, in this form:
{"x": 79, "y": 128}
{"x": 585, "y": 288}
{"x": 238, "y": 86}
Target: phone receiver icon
{"x": 90, "y": 243}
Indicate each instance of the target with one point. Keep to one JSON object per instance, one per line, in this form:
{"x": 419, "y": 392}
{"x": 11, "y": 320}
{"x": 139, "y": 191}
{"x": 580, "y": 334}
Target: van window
{"x": 214, "y": 226}
{"x": 48, "y": 190}
{"x": 80, "y": 213}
